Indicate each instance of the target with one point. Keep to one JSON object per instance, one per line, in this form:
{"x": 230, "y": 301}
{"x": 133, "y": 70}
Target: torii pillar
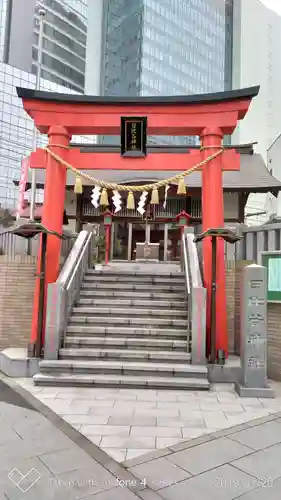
{"x": 213, "y": 210}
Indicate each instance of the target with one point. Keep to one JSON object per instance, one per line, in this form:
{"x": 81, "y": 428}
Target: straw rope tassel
{"x": 130, "y": 201}
{"x": 154, "y": 197}
{"x": 78, "y": 187}
{"x": 181, "y": 186}
{"x": 104, "y": 198}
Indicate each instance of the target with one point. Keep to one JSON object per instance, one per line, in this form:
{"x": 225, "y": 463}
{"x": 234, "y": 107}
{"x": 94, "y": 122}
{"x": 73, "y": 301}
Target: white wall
{"x": 94, "y": 51}
{"x": 256, "y": 61}
{"x": 274, "y": 164}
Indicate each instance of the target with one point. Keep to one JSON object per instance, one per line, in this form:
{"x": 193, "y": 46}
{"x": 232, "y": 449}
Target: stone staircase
{"x": 128, "y": 329}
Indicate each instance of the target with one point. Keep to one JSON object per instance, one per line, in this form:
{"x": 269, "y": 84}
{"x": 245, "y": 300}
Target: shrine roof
{"x": 246, "y": 93}
{"x": 253, "y": 176}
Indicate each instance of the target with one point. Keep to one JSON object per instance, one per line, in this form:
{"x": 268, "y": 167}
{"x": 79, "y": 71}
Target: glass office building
{"x": 167, "y": 47}
{"x": 64, "y": 39}
{"x": 16, "y": 129}
{"x": 64, "y": 42}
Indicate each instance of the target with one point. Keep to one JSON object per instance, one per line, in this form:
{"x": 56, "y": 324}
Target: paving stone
{"x": 140, "y": 393}
{"x": 223, "y": 483}
{"x": 163, "y": 442}
{"x": 216, "y": 420}
{"x": 52, "y": 391}
{"x": 259, "y": 437}
{"x": 135, "y": 453}
{"x": 116, "y": 454}
{"x": 121, "y": 493}
{"x": 67, "y": 460}
{"x": 9, "y": 435}
{"x": 94, "y": 410}
{"x": 94, "y": 439}
{"x": 181, "y": 422}
{"x": 209, "y": 455}
{"x": 191, "y": 433}
{"x": 136, "y": 405}
{"x": 191, "y": 443}
{"x": 99, "y": 403}
{"x": 264, "y": 464}
{"x": 117, "y": 396}
{"x": 77, "y": 426}
{"x": 182, "y": 407}
{"x": 31, "y": 427}
{"x": 164, "y": 396}
{"x": 128, "y": 420}
{"x": 65, "y": 408}
{"x": 269, "y": 491}
{"x": 149, "y": 495}
{"x": 159, "y": 474}
{"x": 11, "y": 472}
{"x": 128, "y": 442}
{"x": 105, "y": 430}
{"x": 147, "y": 457}
{"x": 158, "y": 412}
{"x": 86, "y": 482}
{"x": 24, "y": 466}
{"x": 86, "y": 419}
{"x": 156, "y": 431}
{"x": 250, "y": 402}
{"x": 30, "y": 448}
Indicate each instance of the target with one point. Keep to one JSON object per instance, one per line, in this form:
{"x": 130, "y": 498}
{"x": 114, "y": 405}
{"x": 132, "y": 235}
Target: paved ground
{"x": 43, "y": 457}
{"x": 129, "y": 423}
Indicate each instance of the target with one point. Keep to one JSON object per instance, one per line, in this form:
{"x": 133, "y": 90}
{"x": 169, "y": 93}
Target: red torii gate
{"x": 210, "y": 116}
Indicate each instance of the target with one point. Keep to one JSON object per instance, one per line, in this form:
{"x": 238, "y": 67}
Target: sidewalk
{"x": 49, "y": 459}
{"x": 126, "y": 423}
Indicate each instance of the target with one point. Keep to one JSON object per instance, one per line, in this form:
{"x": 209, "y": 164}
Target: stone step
{"x": 140, "y": 303}
{"x": 135, "y": 295}
{"x": 125, "y": 355}
{"x": 141, "y": 267}
{"x": 114, "y": 331}
{"x": 130, "y": 311}
{"x": 120, "y": 278}
{"x": 123, "y": 368}
{"x": 133, "y": 287}
{"x": 155, "y": 272}
{"x": 138, "y": 344}
{"x": 130, "y": 382}
{"x": 146, "y": 322}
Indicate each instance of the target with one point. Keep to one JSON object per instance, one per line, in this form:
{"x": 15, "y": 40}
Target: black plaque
{"x": 133, "y": 136}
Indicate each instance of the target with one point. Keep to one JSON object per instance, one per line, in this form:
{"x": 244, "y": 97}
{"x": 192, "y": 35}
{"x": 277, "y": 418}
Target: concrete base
{"x": 230, "y": 373}
{"x": 250, "y": 392}
{"x": 15, "y": 363}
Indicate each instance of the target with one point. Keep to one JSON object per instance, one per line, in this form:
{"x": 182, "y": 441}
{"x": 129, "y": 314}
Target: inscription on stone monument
{"x": 254, "y": 332}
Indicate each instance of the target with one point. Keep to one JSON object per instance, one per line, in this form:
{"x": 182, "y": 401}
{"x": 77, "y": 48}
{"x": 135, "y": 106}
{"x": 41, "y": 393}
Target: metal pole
{"x": 39, "y": 341}
{"x": 42, "y": 13}
{"x": 213, "y": 300}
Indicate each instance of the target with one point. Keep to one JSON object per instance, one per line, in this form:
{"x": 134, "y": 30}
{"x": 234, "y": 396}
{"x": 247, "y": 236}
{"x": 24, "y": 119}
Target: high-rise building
{"x": 166, "y": 47}
{"x": 159, "y": 47}
{"x": 256, "y": 61}
{"x": 64, "y": 39}
{"x": 163, "y": 47}
{"x": 16, "y": 129}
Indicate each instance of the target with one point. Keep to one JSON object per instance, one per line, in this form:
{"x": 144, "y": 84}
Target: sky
{"x": 273, "y": 4}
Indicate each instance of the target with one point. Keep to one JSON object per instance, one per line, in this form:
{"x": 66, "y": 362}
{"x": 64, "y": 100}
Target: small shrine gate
{"x": 209, "y": 116}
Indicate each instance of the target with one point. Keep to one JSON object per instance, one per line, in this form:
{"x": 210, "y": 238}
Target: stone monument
{"x": 254, "y": 334}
